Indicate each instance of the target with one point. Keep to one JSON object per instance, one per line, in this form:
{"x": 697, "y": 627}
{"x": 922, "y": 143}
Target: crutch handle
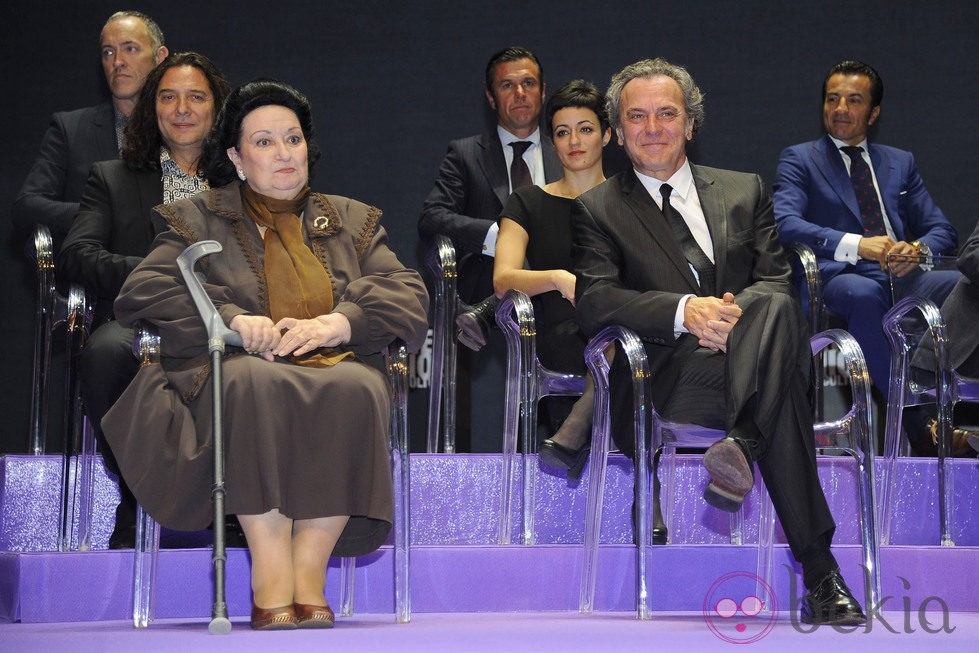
{"x": 218, "y": 333}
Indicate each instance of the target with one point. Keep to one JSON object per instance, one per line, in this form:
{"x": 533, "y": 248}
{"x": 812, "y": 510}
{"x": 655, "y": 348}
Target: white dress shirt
{"x": 685, "y": 201}
{"x": 849, "y": 245}
{"x": 533, "y": 157}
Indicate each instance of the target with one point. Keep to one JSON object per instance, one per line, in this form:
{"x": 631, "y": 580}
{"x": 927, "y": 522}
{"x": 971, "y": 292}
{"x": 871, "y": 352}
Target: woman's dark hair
{"x": 577, "y": 93}
{"x": 226, "y": 133}
{"x": 142, "y": 139}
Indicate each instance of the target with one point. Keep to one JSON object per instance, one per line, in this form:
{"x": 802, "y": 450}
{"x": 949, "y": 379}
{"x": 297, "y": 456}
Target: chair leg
{"x": 593, "y": 507}
{"x": 144, "y": 568}
{"x": 435, "y": 390}
{"x": 348, "y": 566}
{"x": 764, "y": 570}
{"x": 513, "y": 410}
{"x": 86, "y": 475}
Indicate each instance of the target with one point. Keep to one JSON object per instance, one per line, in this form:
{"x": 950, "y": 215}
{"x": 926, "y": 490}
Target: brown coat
{"x": 311, "y": 442}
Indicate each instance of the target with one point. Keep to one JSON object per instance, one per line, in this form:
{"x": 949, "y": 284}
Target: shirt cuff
{"x": 847, "y": 250}
{"x": 489, "y": 243}
{"x": 678, "y": 328}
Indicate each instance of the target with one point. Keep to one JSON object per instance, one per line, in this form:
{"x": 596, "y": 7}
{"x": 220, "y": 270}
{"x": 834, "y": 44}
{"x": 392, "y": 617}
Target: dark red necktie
{"x": 519, "y": 172}
{"x": 863, "y": 185}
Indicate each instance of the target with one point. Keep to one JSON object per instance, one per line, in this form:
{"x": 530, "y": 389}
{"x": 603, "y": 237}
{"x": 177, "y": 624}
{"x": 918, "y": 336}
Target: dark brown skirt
{"x": 312, "y": 442}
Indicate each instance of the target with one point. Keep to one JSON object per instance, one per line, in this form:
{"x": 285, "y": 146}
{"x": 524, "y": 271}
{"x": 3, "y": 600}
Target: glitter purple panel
{"x": 455, "y": 499}
{"x": 455, "y": 564}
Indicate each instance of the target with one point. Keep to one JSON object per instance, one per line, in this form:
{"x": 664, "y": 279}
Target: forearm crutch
{"x": 217, "y": 336}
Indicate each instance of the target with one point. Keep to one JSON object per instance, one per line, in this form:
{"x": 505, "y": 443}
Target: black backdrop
{"x": 391, "y": 83}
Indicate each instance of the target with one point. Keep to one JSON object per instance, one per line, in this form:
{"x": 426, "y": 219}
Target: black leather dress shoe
{"x": 731, "y": 475}
{"x": 473, "y": 325}
{"x": 558, "y": 455}
{"x": 830, "y": 602}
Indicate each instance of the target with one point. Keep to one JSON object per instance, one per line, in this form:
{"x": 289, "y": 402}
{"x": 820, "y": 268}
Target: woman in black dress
{"x": 533, "y": 254}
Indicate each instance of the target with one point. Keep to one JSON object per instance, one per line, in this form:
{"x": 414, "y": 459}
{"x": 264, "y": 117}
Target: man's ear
{"x": 491, "y": 100}
{"x": 618, "y": 134}
{"x": 161, "y": 53}
{"x": 874, "y": 115}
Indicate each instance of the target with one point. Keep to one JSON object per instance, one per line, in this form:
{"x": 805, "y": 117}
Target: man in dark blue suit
{"x": 131, "y": 44}
{"x": 818, "y": 202}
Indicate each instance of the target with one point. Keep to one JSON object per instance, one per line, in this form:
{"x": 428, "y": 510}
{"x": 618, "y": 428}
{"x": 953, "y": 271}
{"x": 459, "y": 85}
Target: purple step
{"x": 455, "y": 500}
{"x": 456, "y": 565}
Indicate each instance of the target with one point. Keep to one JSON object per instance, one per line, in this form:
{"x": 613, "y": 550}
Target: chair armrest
{"x": 813, "y": 283}
{"x": 441, "y": 258}
{"x": 43, "y": 248}
{"x": 146, "y": 343}
{"x": 515, "y": 315}
{"x": 853, "y": 362}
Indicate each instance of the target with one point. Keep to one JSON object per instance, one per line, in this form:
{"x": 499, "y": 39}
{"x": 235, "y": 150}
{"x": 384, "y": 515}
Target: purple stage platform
{"x": 457, "y": 565}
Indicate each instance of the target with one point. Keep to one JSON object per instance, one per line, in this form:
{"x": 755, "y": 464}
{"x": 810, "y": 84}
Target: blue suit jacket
{"x": 815, "y": 202}
{"x": 53, "y": 188}
{"x": 471, "y": 187}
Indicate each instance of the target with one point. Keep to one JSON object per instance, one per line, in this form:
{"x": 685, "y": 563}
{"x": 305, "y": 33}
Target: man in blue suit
{"x": 130, "y": 46}
{"x": 854, "y": 203}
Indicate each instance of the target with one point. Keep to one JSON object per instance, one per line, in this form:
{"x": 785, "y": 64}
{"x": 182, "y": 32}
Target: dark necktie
{"x": 863, "y": 185}
{"x": 688, "y": 245}
{"x": 519, "y": 172}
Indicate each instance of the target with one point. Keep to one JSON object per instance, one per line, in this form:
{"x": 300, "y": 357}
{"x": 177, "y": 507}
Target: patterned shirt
{"x": 121, "y": 121}
{"x": 177, "y": 184}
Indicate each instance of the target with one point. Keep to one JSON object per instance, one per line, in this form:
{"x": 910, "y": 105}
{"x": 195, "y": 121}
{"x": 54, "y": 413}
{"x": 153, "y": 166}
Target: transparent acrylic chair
{"x": 73, "y": 311}
{"x": 905, "y": 324}
{"x": 850, "y": 434}
{"x": 811, "y": 288}
{"x": 146, "y": 346}
{"x": 441, "y": 260}
{"x": 527, "y": 382}
{"x": 909, "y": 320}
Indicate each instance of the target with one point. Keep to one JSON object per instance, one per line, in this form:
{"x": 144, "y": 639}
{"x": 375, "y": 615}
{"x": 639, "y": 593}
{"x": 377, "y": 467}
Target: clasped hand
{"x": 877, "y": 248}
{"x": 290, "y": 336}
{"x": 711, "y": 319}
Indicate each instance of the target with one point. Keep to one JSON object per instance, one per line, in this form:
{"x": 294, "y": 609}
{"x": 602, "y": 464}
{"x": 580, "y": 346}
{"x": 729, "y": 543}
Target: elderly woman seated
{"x": 309, "y": 282}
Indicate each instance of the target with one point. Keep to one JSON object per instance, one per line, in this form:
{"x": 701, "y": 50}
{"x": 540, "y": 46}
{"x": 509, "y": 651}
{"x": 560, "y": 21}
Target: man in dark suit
{"x": 818, "y": 202}
{"x": 687, "y": 257}
{"x": 474, "y": 179}
{"x": 131, "y": 45}
{"x": 473, "y": 182}
{"x": 116, "y": 225}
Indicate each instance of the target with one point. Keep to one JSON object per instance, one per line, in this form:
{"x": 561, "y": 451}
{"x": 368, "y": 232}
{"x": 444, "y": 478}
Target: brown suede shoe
{"x": 283, "y": 618}
{"x": 314, "y": 616}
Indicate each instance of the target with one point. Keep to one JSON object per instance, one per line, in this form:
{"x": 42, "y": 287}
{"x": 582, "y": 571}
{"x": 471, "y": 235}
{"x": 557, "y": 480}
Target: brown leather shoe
{"x": 731, "y": 474}
{"x": 283, "y": 618}
{"x": 314, "y": 616}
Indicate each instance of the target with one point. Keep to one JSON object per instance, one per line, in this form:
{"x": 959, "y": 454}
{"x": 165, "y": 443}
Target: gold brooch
{"x": 321, "y": 222}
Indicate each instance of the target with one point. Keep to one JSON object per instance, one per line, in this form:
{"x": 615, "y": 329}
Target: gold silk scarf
{"x": 299, "y": 286}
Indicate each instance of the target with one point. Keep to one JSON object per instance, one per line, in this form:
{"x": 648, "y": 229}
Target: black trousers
{"x": 763, "y": 380}
{"x": 106, "y": 366}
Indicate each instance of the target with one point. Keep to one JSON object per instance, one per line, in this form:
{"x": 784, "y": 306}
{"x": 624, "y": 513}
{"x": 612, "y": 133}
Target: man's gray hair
{"x": 693, "y": 99}
{"x": 156, "y": 34}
